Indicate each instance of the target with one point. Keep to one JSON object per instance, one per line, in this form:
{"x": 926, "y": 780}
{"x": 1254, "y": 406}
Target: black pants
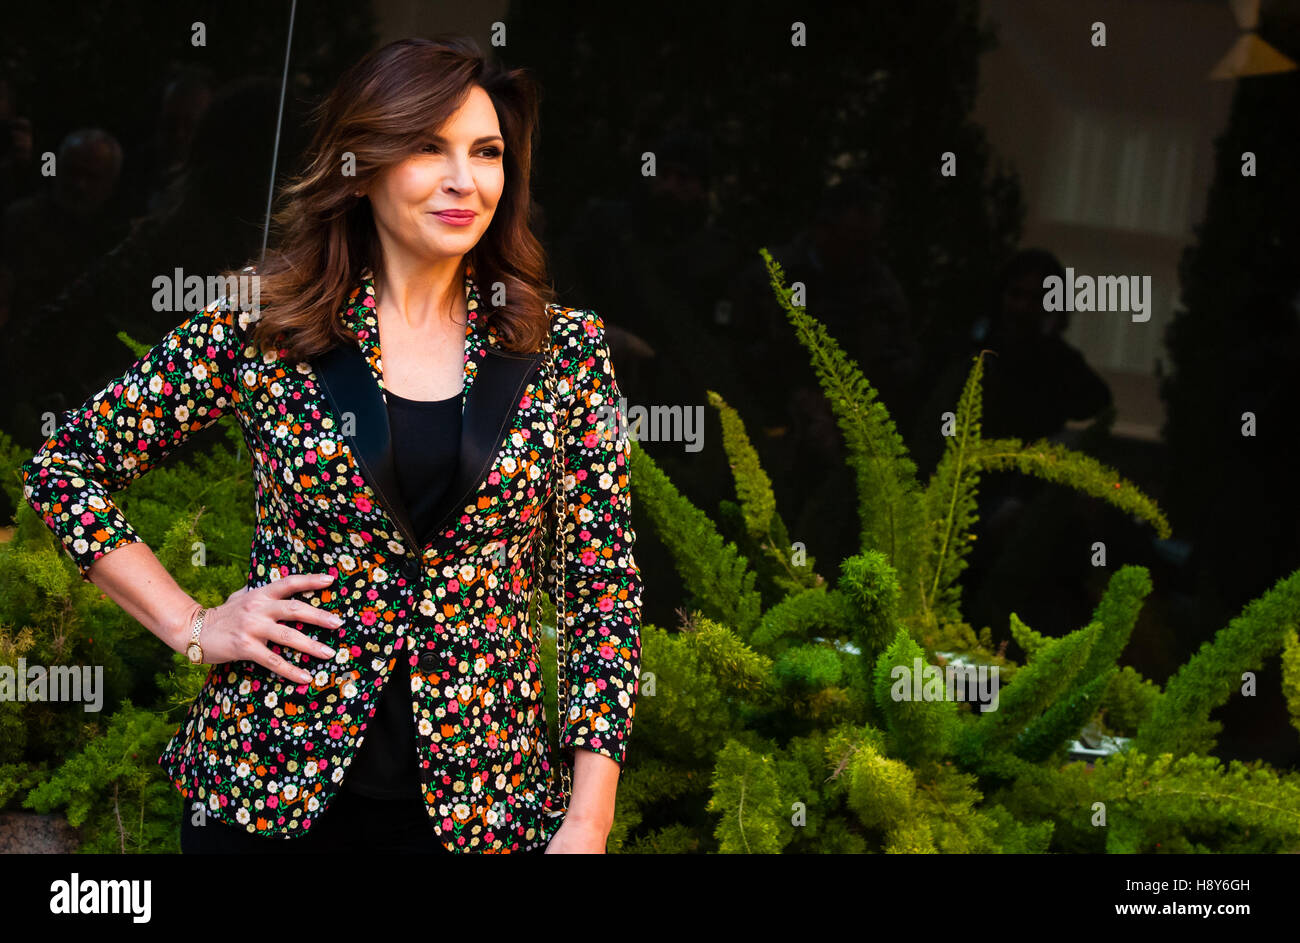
{"x": 351, "y": 823}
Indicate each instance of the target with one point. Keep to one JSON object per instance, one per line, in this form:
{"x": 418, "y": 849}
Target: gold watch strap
{"x": 194, "y": 634}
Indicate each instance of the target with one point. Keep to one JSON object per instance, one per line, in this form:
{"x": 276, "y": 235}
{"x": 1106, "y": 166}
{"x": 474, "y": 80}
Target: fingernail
{"x": 327, "y": 653}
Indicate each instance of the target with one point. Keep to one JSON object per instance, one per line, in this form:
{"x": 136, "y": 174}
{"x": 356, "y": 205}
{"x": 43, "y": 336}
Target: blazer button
{"x": 428, "y": 662}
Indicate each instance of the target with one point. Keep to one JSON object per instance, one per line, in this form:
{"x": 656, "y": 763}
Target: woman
{"x": 377, "y": 683}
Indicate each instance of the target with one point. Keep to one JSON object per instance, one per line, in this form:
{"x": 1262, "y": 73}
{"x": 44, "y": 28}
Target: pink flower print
{"x": 588, "y": 557}
{"x": 494, "y": 478}
{"x": 368, "y": 617}
{"x": 606, "y": 603}
{"x": 87, "y": 518}
{"x": 364, "y": 505}
{"x": 607, "y": 652}
{"x": 590, "y": 439}
{"x": 336, "y": 730}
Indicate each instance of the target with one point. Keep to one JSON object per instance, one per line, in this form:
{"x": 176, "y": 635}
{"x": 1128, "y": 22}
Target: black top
{"x": 426, "y": 448}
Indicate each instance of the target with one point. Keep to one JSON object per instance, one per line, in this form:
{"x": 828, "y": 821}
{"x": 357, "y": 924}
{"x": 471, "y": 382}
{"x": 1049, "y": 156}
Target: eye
{"x": 491, "y": 151}
{"x": 428, "y": 147}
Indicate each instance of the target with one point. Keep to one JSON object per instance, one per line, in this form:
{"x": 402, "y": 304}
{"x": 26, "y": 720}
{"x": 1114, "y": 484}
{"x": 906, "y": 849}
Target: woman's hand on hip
{"x": 241, "y": 627}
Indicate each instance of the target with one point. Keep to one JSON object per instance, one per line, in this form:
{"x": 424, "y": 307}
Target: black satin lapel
{"x": 491, "y": 401}
{"x": 350, "y": 386}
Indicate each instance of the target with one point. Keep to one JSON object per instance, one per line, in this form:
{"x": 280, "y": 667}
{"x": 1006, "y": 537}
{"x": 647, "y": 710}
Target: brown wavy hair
{"x": 380, "y": 111}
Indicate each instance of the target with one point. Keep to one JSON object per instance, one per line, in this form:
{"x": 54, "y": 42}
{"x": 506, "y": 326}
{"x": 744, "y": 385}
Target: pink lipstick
{"x": 456, "y": 217}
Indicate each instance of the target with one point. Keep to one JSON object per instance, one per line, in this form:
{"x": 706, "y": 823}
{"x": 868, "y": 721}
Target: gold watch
{"x": 194, "y": 651}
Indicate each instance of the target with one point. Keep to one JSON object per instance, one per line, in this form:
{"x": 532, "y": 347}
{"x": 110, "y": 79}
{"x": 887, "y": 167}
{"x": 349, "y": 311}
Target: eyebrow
{"x": 439, "y": 139}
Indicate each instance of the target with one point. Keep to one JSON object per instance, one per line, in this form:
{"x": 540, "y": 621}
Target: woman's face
{"x": 460, "y": 169}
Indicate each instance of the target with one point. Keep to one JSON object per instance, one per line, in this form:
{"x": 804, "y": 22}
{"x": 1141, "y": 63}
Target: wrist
{"x": 596, "y": 820}
{"x": 182, "y": 627}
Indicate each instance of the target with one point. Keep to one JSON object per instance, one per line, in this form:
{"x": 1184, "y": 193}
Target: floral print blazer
{"x": 447, "y": 617}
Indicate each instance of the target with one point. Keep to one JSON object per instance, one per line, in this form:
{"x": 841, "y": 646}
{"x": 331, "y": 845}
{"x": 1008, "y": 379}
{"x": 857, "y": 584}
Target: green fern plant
{"x": 824, "y": 738}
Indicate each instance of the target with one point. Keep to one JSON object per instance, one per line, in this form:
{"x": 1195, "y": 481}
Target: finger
{"x": 296, "y": 610}
{"x": 296, "y": 583}
{"x": 289, "y": 637}
{"x": 277, "y": 663}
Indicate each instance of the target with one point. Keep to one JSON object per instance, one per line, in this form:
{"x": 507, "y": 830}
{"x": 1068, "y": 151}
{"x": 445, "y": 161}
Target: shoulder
{"x": 230, "y": 317}
{"x": 575, "y": 331}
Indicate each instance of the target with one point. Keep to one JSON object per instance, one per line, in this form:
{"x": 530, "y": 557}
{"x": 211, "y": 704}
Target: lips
{"x": 456, "y": 214}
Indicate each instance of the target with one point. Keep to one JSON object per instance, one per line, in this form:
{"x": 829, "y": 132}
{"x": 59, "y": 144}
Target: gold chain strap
{"x": 559, "y": 550}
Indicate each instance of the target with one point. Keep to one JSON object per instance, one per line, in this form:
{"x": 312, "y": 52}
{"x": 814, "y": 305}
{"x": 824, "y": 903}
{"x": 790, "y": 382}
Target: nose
{"x": 459, "y": 177}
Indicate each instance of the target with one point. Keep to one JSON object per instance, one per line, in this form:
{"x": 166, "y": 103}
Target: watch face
{"x": 194, "y": 653}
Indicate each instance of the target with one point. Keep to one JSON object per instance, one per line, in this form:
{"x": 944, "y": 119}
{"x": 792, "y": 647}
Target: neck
{"x": 424, "y": 295}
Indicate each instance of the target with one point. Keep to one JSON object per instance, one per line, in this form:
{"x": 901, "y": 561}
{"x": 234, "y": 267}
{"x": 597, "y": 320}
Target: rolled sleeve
{"x": 602, "y": 584}
{"x": 182, "y": 385}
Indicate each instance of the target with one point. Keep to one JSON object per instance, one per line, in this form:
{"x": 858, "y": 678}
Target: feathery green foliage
{"x": 713, "y": 572}
{"x": 879, "y": 773}
{"x": 1032, "y": 642}
{"x": 1038, "y": 685}
{"x": 747, "y": 798}
{"x": 950, "y": 505}
{"x": 763, "y": 536}
{"x": 1181, "y": 723}
{"x": 112, "y": 788}
{"x": 1291, "y": 675}
{"x": 871, "y": 586}
{"x": 888, "y": 495}
{"x": 804, "y": 613}
{"x": 920, "y": 730}
{"x": 1053, "y": 462}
